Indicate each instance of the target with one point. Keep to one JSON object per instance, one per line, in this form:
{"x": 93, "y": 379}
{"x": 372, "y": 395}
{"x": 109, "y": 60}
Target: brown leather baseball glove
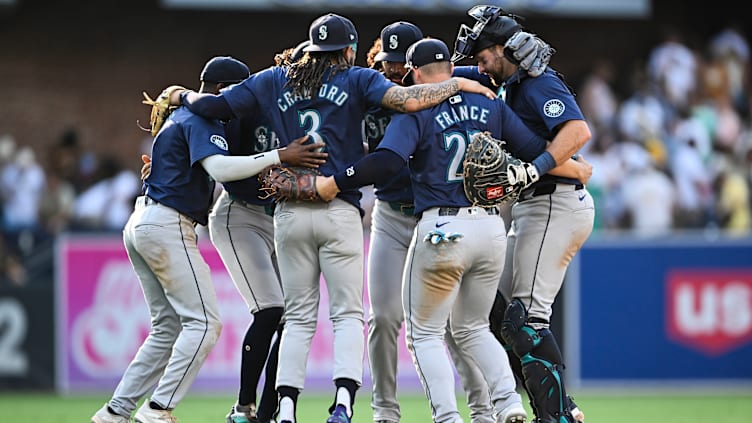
{"x": 160, "y": 108}
{"x": 290, "y": 183}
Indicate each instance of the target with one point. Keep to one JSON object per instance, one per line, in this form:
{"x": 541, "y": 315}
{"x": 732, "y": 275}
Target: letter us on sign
{"x": 710, "y": 311}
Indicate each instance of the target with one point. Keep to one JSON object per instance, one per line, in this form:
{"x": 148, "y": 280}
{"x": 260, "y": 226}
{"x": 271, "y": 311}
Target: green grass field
{"x": 601, "y": 408}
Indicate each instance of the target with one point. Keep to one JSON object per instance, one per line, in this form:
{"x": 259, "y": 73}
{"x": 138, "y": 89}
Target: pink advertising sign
{"x": 102, "y": 319}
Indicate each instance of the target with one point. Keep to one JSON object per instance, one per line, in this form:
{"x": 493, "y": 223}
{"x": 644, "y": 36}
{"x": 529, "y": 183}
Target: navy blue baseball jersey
{"x": 437, "y": 138}
{"x": 177, "y": 179}
{"x": 543, "y": 103}
{"x": 398, "y": 189}
{"x": 472, "y": 72}
{"x": 247, "y": 136}
{"x": 331, "y": 115}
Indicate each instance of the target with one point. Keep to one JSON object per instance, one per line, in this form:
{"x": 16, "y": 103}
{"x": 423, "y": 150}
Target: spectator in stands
{"x": 649, "y": 195}
{"x": 598, "y": 99}
{"x": 731, "y": 49}
{"x": 672, "y": 67}
{"x": 21, "y": 185}
{"x": 107, "y": 204}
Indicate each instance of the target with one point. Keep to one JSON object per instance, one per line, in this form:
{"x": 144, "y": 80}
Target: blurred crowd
{"x": 675, "y": 152}
{"x": 67, "y": 189}
{"x": 671, "y": 152}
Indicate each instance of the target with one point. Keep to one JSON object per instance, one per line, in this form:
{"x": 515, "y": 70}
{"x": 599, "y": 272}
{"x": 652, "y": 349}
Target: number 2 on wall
{"x": 13, "y": 325}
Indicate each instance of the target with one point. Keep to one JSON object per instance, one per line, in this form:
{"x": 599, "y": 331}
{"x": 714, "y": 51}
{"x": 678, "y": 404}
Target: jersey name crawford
{"x": 327, "y": 92}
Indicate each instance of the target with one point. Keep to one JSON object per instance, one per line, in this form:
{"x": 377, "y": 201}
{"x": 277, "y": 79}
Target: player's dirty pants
{"x": 456, "y": 282}
{"x": 546, "y": 233}
{"x": 391, "y": 234}
{"x": 310, "y": 239}
{"x": 185, "y": 325}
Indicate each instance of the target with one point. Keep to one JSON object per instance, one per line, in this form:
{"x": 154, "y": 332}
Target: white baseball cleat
{"x": 146, "y": 414}
{"x": 103, "y": 415}
{"x": 514, "y": 413}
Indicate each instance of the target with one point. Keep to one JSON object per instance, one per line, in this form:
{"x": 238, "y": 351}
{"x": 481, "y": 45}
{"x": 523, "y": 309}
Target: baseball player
{"x": 393, "y": 223}
{"x": 241, "y": 227}
{"x": 550, "y": 222}
{"x": 457, "y": 251}
{"x": 188, "y": 154}
{"x": 325, "y": 97}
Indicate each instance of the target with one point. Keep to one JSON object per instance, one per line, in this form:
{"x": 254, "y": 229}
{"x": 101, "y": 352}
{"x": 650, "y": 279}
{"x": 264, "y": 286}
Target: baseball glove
{"x": 160, "y": 108}
{"x": 529, "y": 51}
{"x": 291, "y": 183}
{"x": 486, "y": 177}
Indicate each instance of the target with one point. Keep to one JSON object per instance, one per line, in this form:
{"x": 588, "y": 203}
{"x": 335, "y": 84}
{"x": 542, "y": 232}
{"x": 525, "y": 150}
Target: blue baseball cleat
{"x": 339, "y": 415}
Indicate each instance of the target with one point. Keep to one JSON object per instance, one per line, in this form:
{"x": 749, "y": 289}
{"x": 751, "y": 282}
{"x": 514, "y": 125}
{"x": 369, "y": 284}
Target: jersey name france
{"x": 434, "y": 142}
{"x": 333, "y": 114}
{"x": 177, "y": 178}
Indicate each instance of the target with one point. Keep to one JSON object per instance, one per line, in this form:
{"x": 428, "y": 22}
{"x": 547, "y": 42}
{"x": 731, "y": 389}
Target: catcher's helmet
{"x": 493, "y": 26}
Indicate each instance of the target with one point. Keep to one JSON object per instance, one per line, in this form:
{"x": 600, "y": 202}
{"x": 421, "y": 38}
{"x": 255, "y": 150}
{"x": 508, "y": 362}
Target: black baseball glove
{"x": 487, "y": 172}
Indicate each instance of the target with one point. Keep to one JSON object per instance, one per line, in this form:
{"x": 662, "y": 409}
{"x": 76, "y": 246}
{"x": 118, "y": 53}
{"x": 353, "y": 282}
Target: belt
{"x": 547, "y": 189}
{"x": 145, "y": 200}
{"x": 406, "y": 209}
{"x": 455, "y": 211}
{"x": 268, "y": 208}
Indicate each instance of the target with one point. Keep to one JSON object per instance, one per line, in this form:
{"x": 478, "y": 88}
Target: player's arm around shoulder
{"x": 223, "y": 168}
{"x": 422, "y": 96}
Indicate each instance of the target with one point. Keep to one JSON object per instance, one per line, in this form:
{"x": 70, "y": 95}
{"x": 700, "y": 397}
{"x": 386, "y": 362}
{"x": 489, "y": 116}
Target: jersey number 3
{"x": 310, "y": 120}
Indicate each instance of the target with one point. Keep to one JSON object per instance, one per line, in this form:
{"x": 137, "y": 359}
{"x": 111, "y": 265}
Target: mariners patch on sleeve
{"x": 553, "y": 108}
{"x": 219, "y": 141}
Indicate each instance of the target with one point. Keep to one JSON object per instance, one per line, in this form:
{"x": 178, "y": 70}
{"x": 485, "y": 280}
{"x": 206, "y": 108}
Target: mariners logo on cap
{"x": 553, "y": 108}
{"x": 219, "y": 141}
{"x": 323, "y": 32}
{"x": 393, "y": 41}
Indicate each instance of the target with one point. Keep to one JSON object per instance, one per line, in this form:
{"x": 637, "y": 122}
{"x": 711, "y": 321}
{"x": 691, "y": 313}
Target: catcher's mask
{"x": 493, "y": 26}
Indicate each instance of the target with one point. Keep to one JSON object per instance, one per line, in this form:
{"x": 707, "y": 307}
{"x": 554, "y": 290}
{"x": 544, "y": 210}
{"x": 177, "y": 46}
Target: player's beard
{"x": 394, "y": 73}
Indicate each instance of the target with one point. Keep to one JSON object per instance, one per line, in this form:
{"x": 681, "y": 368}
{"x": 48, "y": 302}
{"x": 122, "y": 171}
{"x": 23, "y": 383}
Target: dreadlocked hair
{"x": 309, "y": 73}
{"x": 284, "y": 57}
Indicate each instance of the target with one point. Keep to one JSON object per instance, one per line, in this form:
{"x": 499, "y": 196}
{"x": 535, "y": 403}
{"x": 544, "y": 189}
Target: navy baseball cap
{"x": 424, "y": 52}
{"x": 395, "y": 39}
{"x": 331, "y": 33}
{"x": 224, "y": 69}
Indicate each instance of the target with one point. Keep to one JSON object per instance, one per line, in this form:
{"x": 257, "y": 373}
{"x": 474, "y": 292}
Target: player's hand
{"x": 298, "y": 153}
{"x": 470, "y": 86}
{"x": 584, "y": 169}
{"x": 327, "y": 187}
{"x": 175, "y": 97}
{"x": 522, "y": 175}
{"x": 146, "y": 168}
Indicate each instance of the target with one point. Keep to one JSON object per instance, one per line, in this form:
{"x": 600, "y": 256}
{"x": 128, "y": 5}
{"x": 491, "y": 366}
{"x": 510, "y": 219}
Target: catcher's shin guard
{"x": 542, "y": 369}
{"x": 542, "y": 365}
{"x": 496, "y": 317}
{"x": 515, "y": 331}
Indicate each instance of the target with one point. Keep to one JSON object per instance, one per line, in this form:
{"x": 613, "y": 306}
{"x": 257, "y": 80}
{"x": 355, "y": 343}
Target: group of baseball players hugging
{"x": 468, "y": 283}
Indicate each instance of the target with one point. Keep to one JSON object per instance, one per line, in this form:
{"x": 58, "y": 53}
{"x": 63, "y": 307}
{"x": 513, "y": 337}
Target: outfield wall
{"x": 673, "y": 312}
